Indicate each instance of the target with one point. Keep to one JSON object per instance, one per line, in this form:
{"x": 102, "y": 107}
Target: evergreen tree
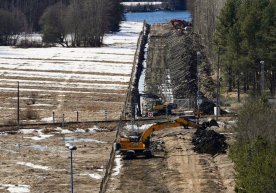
{"x": 246, "y": 34}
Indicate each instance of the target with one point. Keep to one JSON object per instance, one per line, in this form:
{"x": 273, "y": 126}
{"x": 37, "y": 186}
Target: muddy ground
{"x": 175, "y": 168}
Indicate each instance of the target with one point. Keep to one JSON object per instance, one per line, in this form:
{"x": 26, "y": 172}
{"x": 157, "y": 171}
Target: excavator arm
{"x": 157, "y": 127}
{"x": 187, "y": 123}
{"x": 178, "y": 122}
{"x": 131, "y": 147}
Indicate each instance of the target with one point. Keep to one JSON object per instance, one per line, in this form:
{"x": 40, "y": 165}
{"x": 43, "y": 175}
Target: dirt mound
{"x": 207, "y": 108}
{"x": 209, "y": 141}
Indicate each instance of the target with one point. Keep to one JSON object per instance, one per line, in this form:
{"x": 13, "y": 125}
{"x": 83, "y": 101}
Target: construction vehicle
{"x": 140, "y": 144}
{"x": 181, "y": 24}
{"x": 154, "y": 104}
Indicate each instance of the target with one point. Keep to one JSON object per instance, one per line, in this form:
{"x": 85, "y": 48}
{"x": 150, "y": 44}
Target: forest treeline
{"x": 254, "y": 149}
{"x": 246, "y": 41}
{"x": 67, "y": 22}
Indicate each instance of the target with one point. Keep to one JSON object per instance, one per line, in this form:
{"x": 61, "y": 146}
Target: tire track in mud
{"x": 176, "y": 168}
{"x": 192, "y": 172}
{"x": 143, "y": 175}
{"x": 140, "y": 175}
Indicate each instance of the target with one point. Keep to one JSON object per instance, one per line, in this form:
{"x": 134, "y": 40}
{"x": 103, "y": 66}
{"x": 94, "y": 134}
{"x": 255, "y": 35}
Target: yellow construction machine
{"x": 140, "y": 144}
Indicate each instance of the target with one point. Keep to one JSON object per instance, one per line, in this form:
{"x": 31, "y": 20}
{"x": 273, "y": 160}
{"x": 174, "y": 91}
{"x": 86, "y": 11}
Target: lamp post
{"x": 198, "y": 102}
{"x": 262, "y": 76}
{"x": 218, "y": 87}
{"x": 71, "y": 148}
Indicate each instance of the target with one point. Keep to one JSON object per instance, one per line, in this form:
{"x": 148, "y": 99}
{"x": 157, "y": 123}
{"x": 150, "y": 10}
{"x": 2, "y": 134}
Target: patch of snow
{"x": 135, "y": 127}
{"x": 3, "y": 133}
{"x": 79, "y": 140}
{"x": 78, "y": 130}
{"x": 42, "y": 105}
{"x": 11, "y": 89}
{"x": 59, "y": 75}
{"x": 95, "y": 176}
{"x": 33, "y": 165}
{"x": 40, "y": 135}
{"x": 26, "y": 131}
{"x": 100, "y": 170}
{"x": 234, "y": 122}
{"x": 47, "y": 119}
{"x": 144, "y": 127}
{"x": 16, "y": 188}
{"x": 92, "y": 130}
{"x": 63, "y": 131}
{"x": 96, "y": 129}
{"x": 118, "y": 165}
{"x": 131, "y": 127}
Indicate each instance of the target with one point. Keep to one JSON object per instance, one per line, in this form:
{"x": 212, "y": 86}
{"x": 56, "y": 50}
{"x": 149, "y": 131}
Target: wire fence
{"x": 110, "y": 162}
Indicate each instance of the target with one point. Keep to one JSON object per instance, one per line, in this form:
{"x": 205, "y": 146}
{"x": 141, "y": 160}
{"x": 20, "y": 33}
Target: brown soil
{"x": 89, "y": 158}
{"x": 175, "y": 168}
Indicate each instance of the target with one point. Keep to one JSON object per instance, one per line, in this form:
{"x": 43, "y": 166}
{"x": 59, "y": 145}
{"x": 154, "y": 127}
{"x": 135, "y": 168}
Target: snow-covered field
{"x": 91, "y": 80}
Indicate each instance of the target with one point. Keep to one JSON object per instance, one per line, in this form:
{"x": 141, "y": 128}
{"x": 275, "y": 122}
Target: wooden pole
{"x": 18, "y": 107}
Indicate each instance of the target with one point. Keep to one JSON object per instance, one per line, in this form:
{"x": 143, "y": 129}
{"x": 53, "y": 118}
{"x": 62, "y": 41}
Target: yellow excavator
{"x": 140, "y": 144}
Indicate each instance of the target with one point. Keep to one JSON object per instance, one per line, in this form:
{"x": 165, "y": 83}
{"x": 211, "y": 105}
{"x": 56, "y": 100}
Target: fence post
{"x": 62, "y": 120}
{"x": 18, "y": 108}
{"x": 105, "y": 115}
{"x": 77, "y": 116}
{"x": 53, "y": 117}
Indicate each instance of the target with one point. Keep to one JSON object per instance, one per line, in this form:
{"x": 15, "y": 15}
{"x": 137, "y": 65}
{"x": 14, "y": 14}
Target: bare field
{"x": 38, "y": 160}
{"x": 92, "y": 81}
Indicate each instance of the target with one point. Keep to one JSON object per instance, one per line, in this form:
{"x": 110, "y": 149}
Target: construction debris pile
{"x": 209, "y": 141}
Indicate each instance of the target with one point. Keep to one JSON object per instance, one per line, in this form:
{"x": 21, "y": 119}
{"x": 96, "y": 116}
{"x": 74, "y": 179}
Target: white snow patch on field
{"x": 16, "y": 188}
{"x": 31, "y": 165}
{"x": 95, "y": 176}
{"x": 78, "y": 130}
{"x": 118, "y": 165}
{"x": 59, "y": 75}
{"x": 63, "y": 131}
{"x": 96, "y": 129}
{"x": 68, "y": 66}
{"x": 38, "y": 132}
{"x": 80, "y": 140}
{"x": 38, "y": 138}
{"x": 79, "y": 85}
{"x": 47, "y": 119}
{"x": 56, "y": 91}
{"x": 26, "y": 131}
{"x": 136, "y": 128}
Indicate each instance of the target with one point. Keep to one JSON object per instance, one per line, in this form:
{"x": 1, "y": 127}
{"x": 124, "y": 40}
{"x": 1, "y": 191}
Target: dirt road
{"x": 175, "y": 168}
